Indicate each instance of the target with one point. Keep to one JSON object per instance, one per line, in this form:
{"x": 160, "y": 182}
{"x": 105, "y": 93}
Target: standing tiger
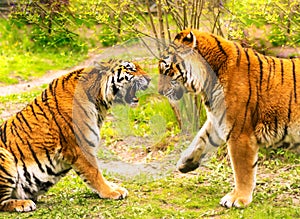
{"x": 59, "y": 131}
{"x": 251, "y": 100}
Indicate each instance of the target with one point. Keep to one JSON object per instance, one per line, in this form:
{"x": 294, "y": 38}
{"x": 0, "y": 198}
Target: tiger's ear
{"x": 191, "y": 38}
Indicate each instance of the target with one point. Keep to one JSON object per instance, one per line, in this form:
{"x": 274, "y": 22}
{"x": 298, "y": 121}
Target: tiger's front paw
{"x": 18, "y": 205}
{"x": 114, "y": 192}
{"x": 232, "y": 199}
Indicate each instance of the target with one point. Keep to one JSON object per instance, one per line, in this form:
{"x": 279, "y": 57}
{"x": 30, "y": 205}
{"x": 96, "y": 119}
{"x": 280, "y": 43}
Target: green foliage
{"x": 52, "y": 24}
{"x": 21, "y": 59}
{"x": 279, "y": 19}
{"x": 108, "y": 37}
{"x": 153, "y": 118}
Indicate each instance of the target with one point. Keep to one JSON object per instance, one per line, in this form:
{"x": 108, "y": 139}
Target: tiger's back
{"x": 265, "y": 91}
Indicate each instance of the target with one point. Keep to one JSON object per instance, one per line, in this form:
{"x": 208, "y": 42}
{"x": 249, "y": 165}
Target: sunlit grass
{"x": 175, "y": 196}
{"x": 21, "y": 61}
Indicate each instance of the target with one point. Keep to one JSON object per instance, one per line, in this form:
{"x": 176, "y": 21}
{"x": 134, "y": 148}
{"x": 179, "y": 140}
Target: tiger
{"x": 251, "y": 100}
{"x": 60, "y": 130}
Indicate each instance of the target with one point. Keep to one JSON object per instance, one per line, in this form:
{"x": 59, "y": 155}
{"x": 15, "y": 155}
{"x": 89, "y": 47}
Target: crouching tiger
{"x": 251, "y": 100}
{"x": 59, "y": 131}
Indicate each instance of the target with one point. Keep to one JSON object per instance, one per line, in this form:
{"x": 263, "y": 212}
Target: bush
{"x": 52, "y": 24}
{"x": 280, "y": 20}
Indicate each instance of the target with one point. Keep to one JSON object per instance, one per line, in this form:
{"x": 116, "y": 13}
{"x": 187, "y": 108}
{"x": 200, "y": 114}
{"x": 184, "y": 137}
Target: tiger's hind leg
{"x": 243, "y": 156}
{"x": 8, "y": 178}
{"x": 87, "y": 169}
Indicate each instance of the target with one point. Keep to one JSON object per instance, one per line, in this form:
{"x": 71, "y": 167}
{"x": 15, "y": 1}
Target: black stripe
{"x": 285, "y": 132}
{"x": 25, "y": 120}
{"x": 179, "y": 76}
{"x": 203, "y": 139}
{"x": 86, "y": 140}
{"x": 193, "y": 86}
{"x": 211, "y": 140}
{"x": 50, "y": 171}
{"x": 238, "y": 59}
{"x": 250, "y": 90}
{"x": 51, "y": 88}
{"x": 35, "y": 157}
{"x": 216, "y": 56}
{"x": 33, "y": 111}
{"x": 6, "y": 180}
{"x": 282, "y": 71}
{"x": 19, "y": 136}
{"x": 295, "y": 80}
{"x": 3, "y": 132}
{"x": 230, "y": 131}
{"x": 49, "y": 157}
{"x": 256, "y": 113}
{"x": 20, "y": 151}
{"x": 42, "y": 186}
{"x": 61, "y": 115}
{"x": 255, "y": 164}
{"x": 270, "y": 71}
{"x": 92, "y": 130}
{"x": 28, "y": 191}
{"x": 15, "y": 157}
{"x": 62, "y": 137}
{"x": 276, "y": 126}
{"x": 4, "y": 185}
{"x": 219, "y": 45}
{"x": 20, "y": 126}
{"x": 26, "y": 173}
{"x": 41, "y": 109}
{"x": 274, "y": 64}
{"x": 54, "y": 83}
{"x": 68, "y": 76}
{"x": 290, "y": 108}
{"x": 261, "y": 71}
{"x": 86, "y": 113}
{"x": 45, "y": 95}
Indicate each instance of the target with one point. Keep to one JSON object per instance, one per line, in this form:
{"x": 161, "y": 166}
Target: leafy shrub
{"x": 280, "y": 20}
{"x": 52, "y": 24}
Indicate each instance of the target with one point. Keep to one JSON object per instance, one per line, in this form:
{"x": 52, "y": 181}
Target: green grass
{"x": 174, "y": 196}
{"x": 20, "y": 60}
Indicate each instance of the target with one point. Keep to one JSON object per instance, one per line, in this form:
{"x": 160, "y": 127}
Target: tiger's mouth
{"x": 130, "y": 96}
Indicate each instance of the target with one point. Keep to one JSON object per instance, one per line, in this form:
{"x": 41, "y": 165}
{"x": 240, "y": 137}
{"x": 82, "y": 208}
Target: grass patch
{"x": 176, "y": 196}
{"x": 21, "y": 61}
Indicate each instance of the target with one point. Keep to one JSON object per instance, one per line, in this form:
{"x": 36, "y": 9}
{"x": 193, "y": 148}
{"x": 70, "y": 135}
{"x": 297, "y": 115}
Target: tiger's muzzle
{"x": 141, "y": 83}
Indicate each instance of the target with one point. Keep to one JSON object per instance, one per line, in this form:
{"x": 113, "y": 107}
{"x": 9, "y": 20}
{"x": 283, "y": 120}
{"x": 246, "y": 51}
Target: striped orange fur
{"x": 59, "y": 131}
{"x": 251, "y": 100}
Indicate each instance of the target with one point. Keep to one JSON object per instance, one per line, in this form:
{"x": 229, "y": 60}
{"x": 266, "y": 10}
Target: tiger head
{"x": 127, "y": 79}
{"x": 181, "y": 67}
{"x": 171, "y": 81}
